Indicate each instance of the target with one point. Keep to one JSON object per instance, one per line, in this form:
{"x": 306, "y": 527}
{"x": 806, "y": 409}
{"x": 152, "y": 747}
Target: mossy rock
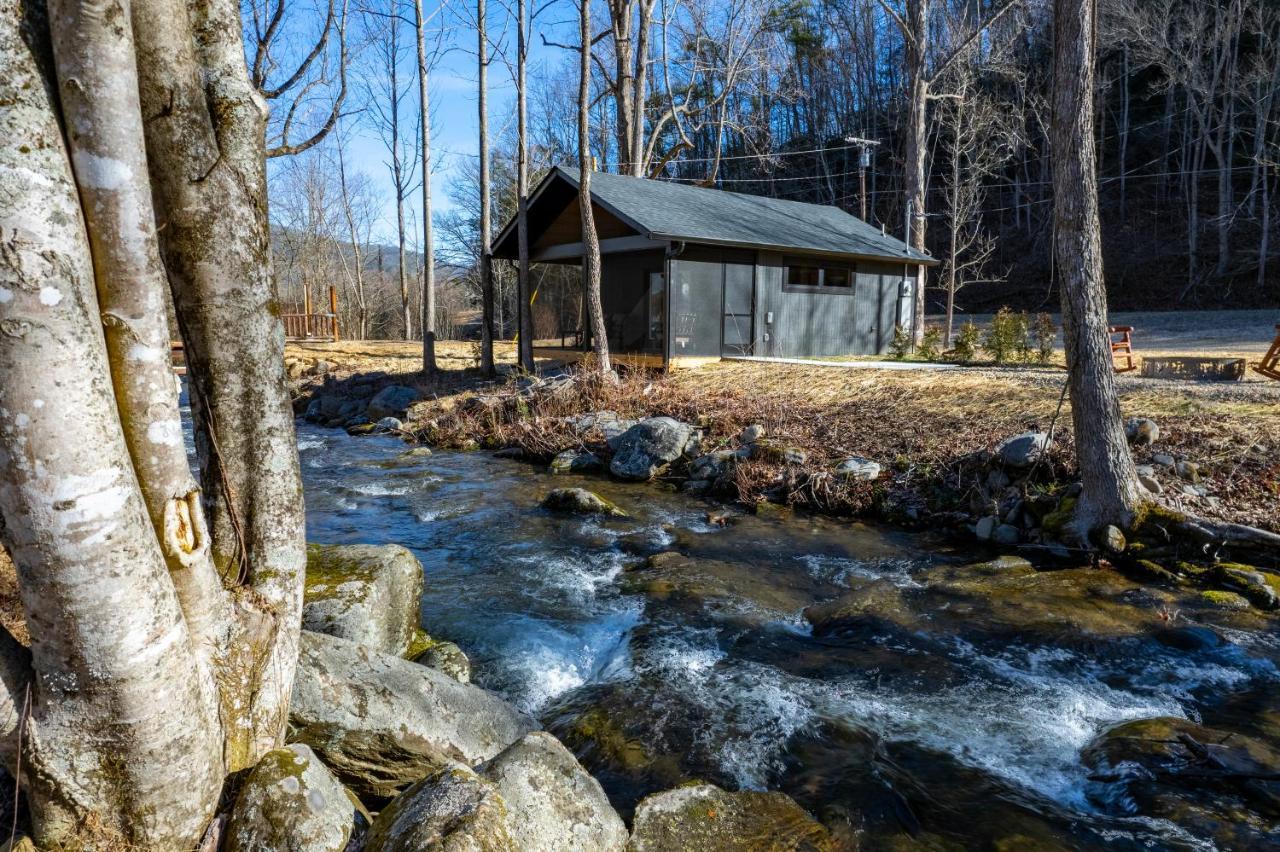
{"x": 1057, "y": 521}
{"x": 704, "y": 817}
{"x": 451, "y": 810}
{"x": 368, "y": 594}
{"x": 1262, "y": 589}
{"x": 438, "y": 654}
{"x": 1218, "y": 599}
{"x": 609, "y": 740}
{"x": 580, "y": 501}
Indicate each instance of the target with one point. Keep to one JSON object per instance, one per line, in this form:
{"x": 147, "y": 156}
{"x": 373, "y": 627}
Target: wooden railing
{"x": 313, "y": 325}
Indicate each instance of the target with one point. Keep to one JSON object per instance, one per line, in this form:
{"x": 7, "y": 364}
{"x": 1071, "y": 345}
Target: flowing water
{"x": 935, "y": 729}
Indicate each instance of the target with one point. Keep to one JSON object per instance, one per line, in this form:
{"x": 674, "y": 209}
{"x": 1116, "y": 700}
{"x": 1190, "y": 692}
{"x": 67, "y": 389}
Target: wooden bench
{"x": 1269, "y": 366}
{"x": 1122, "y": 348}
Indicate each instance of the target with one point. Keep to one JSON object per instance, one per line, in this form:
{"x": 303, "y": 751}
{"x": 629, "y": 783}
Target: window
{"x": 814, "y": 276}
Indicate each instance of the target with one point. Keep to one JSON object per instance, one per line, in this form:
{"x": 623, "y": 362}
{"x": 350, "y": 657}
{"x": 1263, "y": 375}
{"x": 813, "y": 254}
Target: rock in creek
{"x": 451, "y": 810}
{"x": 576, "y": 461}
{"x": 1022, "y": 451}
{"x": 391, "y": 401}
{"x": 1215, "y": 783}
{"x": 1262, "y": 589}
{"x": 291, "y": 803}
{"x": 553, "y": 804}
{"x": 440, "y": 655}
{"x": 704, "y": 817}
{"x": 580, "y": 501}
{"x": 648, "y": 447}
{"x": 368, "y": 594}
{"x": 380, "y": 722}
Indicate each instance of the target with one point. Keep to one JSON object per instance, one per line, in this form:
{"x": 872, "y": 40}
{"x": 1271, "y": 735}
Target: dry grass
{"x": 11, "y": 616}
{"x": 922, "y": 424}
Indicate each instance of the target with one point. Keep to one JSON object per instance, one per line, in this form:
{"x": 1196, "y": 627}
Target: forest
{"x": 925, "y": 115}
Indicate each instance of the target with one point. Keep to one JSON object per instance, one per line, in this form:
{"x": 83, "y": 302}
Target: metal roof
{"x": 663, "y": 210}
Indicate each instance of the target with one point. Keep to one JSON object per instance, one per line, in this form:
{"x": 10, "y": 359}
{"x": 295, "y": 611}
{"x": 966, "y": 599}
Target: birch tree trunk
{"x": 1111, "y": 493}
{"x": 487, "y": 366}
{"x": 163, "y": 646}
{"x": 428, "y": 245}
{"x": 590, "y": 239}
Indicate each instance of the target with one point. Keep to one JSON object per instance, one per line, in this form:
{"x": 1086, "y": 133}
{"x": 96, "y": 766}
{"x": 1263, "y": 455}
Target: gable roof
{"x": 663, "y": 210}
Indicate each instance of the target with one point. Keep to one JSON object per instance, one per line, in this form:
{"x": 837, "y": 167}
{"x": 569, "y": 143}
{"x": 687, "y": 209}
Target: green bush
{"x": 1046, "y": 336}
{"x": 901, "y": 344}
{"x": 931, "y": 343}
{"x": 1009, "y": 338}
{"x": 968, "y": 339}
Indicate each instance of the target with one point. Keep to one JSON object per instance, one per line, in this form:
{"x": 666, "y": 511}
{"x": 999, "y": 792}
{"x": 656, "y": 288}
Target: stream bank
{"x": 903, "y": 688}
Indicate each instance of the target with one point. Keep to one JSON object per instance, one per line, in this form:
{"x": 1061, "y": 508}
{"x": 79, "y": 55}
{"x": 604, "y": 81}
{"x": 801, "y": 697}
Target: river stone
{"x": 751, "y": 434}
{"x": 552, "y": 802}
{"x": 1141, "y": 431}
{"x": 778, "y": 453}
{"x": 576, "y": 461}
{"x": 580, "y": 501}
{"x": 1006, "y": 534}
{"x": 712, "y": 465}
{"x": 858, "y": 469}
{"x": 985, "y": 527}
{"x": 610, "y": 425}
{"x": 644, "y": 450}
{"x": 1262, "y": 589}
{"x": 391, "y": 401}
{"x": 291, "y": 803}
{"x": 1207, "y": 780}
{"x": 440, "y": 655}
{"x": 1022, "y": 451}
{"x": 451, "y": 810}
{"x": 377, "y": 720}
{"x": 366, "y": 593}
{"x": 703, "y": 817}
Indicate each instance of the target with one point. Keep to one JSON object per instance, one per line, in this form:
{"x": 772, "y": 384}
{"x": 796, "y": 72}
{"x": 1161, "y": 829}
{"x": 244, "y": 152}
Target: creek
{"x": 920, "y": 722}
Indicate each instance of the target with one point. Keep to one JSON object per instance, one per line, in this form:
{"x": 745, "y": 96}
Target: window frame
{"x": 850, "y": 267}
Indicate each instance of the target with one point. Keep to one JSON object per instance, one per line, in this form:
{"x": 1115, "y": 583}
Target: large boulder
{"x": 451, "y": 810}
{"x": 580, "y": 501}
{"x": 368, "y": 594}
{"x": 381, "y": 722}
{"x": 291, "y": 803}
{"x": 647, "y": 448}
{"x": 1022, "y": 451}
{"x": 553, "y": 804}
{"x": 702, "y": 816}
{"x": 391, "y": 401}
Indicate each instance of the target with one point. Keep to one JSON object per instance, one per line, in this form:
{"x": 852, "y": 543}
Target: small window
{"x": 807, "y": 275}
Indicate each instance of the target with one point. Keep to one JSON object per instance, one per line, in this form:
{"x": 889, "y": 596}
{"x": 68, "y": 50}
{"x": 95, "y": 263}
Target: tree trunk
{"x": 1110, "y": 492}
{"x": 487, "y": 366}
{"x": 590, "y": 239}
{"x": 148, "y": 681}
{"x": 917, "y": 142}
{"x": 428, "y": 246}
{"x": 523, "y": 295}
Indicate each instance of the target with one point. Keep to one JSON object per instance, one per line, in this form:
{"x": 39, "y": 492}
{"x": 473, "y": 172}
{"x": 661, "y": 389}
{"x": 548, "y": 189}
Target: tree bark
{"x": 1111, "y": 493}
{"x": 590, "y": 239}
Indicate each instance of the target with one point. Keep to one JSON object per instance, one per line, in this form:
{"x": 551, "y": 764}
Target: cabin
{"x": 691, "y": 274}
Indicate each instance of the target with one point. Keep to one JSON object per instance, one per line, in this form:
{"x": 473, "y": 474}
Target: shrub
{"x": 965, "y": 346}
{"x": 1046, "y": 336}
{"x": 901, "y": 344}
{"x": 1008, "y": 338}
{"x": 931, "y": 343}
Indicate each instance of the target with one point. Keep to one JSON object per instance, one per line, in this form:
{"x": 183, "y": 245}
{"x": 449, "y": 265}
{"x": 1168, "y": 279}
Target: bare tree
{"x": 428, "y": 243}
{"x": 385, "y": 106}
{"x": 916, "y": 28}
{"x": 1111, "y": 493}
{"x": 487, "y": 366}
{"x": 357, "y": 212}
{"x": 315, "y": 83}
{"x": 164, "y": 620}
{"x": 524, "y": 355}
{"x": 590, "y": 239}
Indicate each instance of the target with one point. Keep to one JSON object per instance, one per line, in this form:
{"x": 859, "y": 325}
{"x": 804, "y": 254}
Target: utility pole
{"x": 865, "y": 147}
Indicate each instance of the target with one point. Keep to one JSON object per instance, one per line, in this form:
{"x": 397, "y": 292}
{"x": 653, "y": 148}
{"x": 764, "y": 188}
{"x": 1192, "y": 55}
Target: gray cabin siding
{"x": 807, "y": 325}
